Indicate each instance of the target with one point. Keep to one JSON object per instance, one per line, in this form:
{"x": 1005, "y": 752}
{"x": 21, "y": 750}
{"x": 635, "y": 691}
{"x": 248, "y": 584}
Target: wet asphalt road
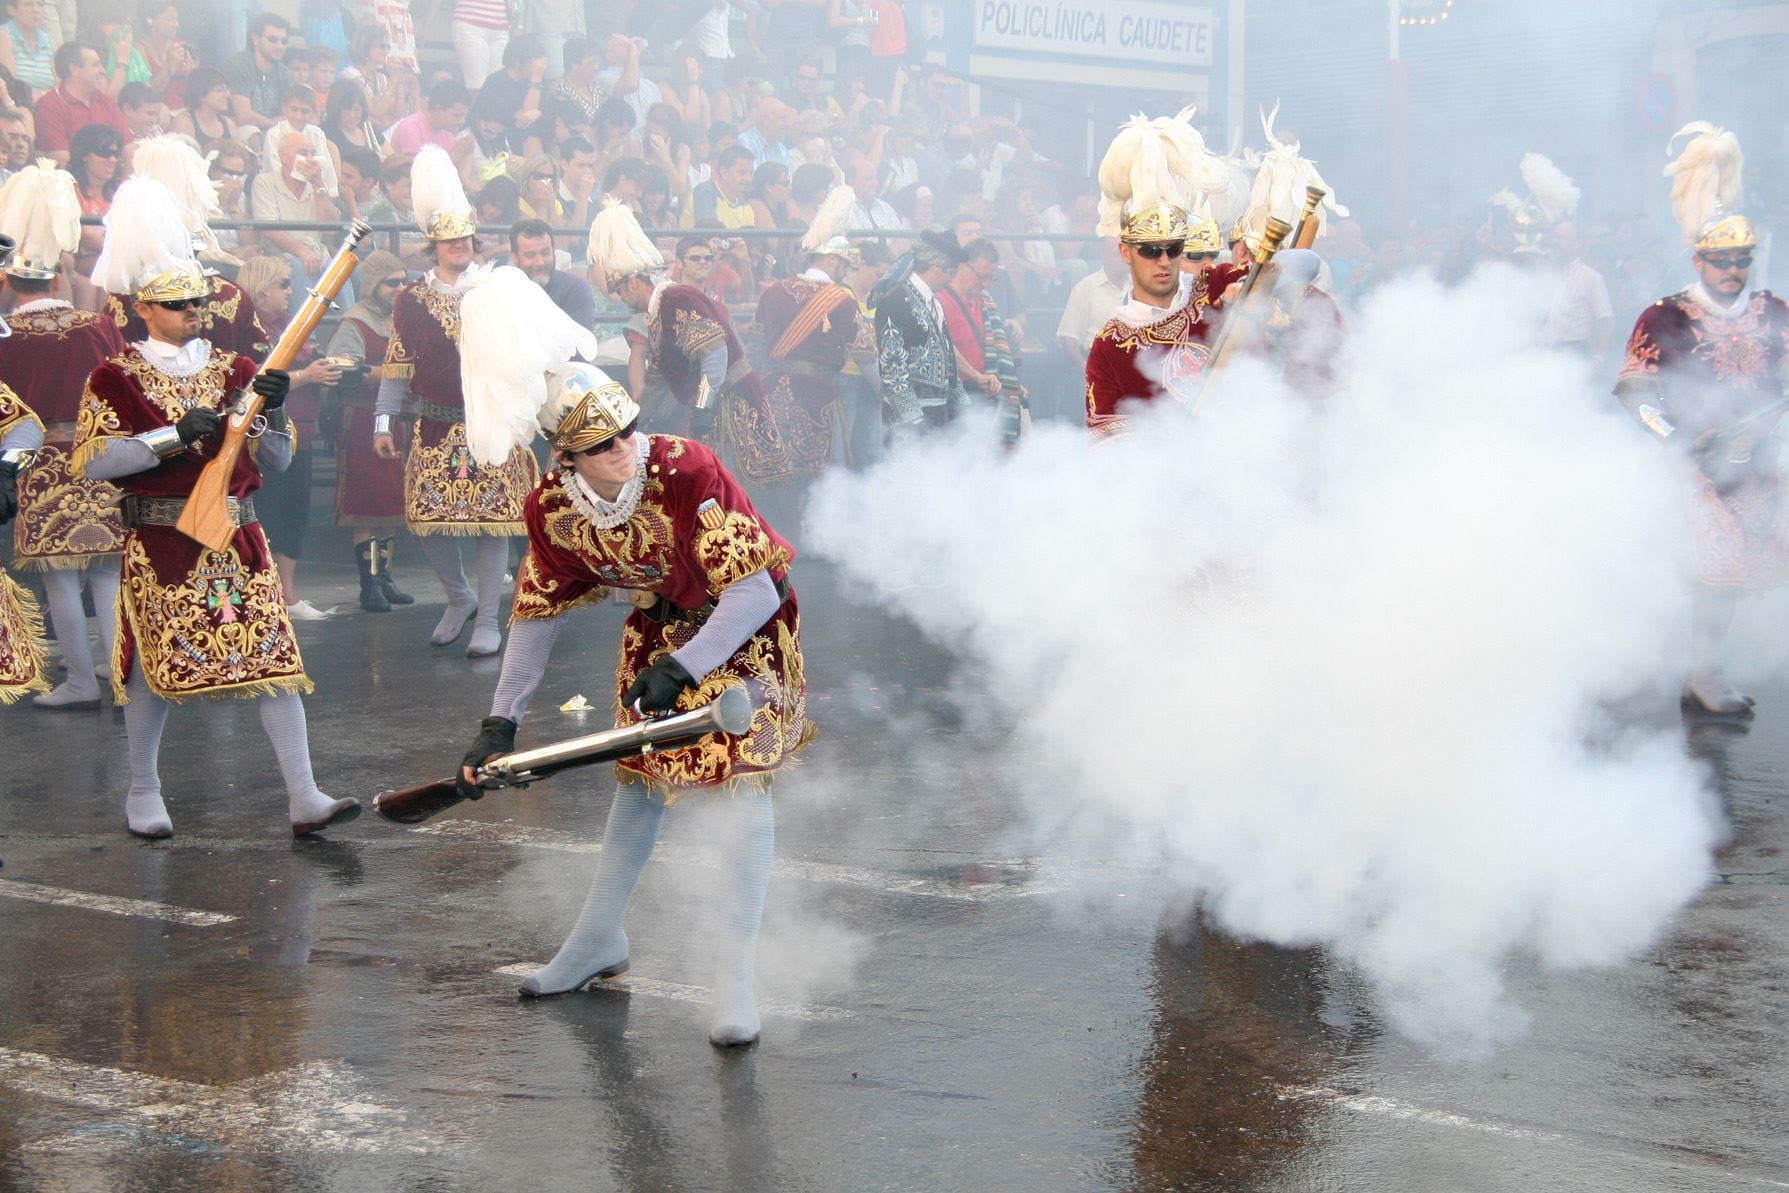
{"x": 328, "y": 1014}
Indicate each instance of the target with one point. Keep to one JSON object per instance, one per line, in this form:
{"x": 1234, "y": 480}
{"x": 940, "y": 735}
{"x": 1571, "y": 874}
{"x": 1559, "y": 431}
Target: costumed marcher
{"x": 915, "y": 360}
{"x": 1157, "y": 343}
{"x": 369, "y": 489}
{"x": 810, "y": 324}
{"x": 1579, "y": 316}
{"x": 23, "y": 655}
{"x": 690, "y": 341}
{"x": 191, "y": 621}
{"x": 1705, "y": 370}
{"x": 228, "y": 320}
{"x": 447, "y": 494}
{"x": 661, "y": 518}
{"x": 68, "y": 527}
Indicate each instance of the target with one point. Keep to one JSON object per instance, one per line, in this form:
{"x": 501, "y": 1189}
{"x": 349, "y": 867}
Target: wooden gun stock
{"x": 206, "y": 518}
{"x": 413, "y": 805}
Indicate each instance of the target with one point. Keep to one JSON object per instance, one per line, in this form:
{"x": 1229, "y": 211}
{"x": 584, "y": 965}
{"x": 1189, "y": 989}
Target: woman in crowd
{"x": 390, "y": 90}
{"x": 155, "y": 55}
{"x": 578, "y": 86}
{"x": 205, "y": 95}
{"x": 95, "y": 159}
{"x": 284, "y": 502}
{"x": 684, "y": 90}
{"x": 499, "y": 202}
{"x": 540, "y": 200}
{"x": 25, "y": 49}
{"x": 346, "y": 120}
{"x": 770, "y": 209}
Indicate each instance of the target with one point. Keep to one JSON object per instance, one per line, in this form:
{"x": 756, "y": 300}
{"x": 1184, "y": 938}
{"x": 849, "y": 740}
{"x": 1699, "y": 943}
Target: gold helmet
{"x": 585, "y": 407}
{"x": 148, "y": 251}
{"x": 184, "y": 281}
{"x": 439, "y": 198}
{"x": 1730, "y": 232}
{"x": 1203, "y": 236}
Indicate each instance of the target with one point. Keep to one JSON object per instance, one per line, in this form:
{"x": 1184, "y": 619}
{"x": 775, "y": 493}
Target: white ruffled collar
{"x": 175, "y": 360}
{"x": 607, "y": 515}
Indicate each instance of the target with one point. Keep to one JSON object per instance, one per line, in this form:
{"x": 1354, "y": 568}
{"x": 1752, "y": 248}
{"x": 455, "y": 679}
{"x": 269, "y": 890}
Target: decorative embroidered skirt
{"x": 22, "y": 650}
{"x": 65, "y": 521}
{"x": 445, "y": 492}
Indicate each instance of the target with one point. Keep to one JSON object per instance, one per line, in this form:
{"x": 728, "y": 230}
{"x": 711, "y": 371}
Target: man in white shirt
{"x": 1579, "y": 317}
{"x": 1092, "y": 302}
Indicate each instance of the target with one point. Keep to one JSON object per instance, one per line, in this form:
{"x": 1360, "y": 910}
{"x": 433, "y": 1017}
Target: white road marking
{"x": 1393, "y": 1108}
{"x": 658, "y": 988}
{"x": 317, "y": 1106}
{"x": 679, "y": 855}
{"x": 141, "y": 908}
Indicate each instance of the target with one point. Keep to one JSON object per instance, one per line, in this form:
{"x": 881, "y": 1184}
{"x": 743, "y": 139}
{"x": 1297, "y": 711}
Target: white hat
{"x": 40, "y": 208}
{"x": 511, "y": 336}
{"x": 439, "y": 197}
{"x": 175, "y": 162}
{"x": 1152, "y": 176}
{"x": 1705, "y": 188}
{"x": 619, "y": 246}
{"x": 825, "y": 235}
{"x": 1281, "y": 179}
{"x": 148, "y": 251}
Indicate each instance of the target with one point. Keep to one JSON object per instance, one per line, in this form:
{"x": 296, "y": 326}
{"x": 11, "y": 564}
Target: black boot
{"x": 383, "y": 547}
{"x": 372, "y": 596}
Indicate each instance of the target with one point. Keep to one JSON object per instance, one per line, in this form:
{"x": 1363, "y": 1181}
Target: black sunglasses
{"x": 698, "y": 257}
{"x": 1201, "y": 256}
{"x": 608, "y": 444}
{"x": 182, "y": 304}
{"x": 104, "y": 152}
{"x": 1155, "y": 252}
{"x": 1744, "y": 261}
{"x": 394, "y": 282}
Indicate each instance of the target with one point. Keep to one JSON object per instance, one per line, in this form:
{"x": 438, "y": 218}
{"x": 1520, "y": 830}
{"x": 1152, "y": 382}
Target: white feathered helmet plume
{"x": 1154, "y": 174}
{"x": 619, "y": 246}
{"x": 1705, "y": 188}
{"x": 825, "y": 235}
{"x": 513, "y": 341}
{"x": 147, "y": 249}
{"x": 1230, "y": 201}
{"x": 1556, "y": 194}
{"x": 175, "y": 162}
{"x": 439, "y": 197}
{"x": 41, "y": 210}
{"x": 1281, "y": 178}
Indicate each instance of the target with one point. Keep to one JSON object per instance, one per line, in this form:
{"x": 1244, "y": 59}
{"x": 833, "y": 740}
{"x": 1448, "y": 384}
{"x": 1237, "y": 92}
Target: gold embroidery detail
{"x": 65, "y": 521}
{"x": 23, "y": 653}
{"x": 13, "y": 410}
{"x": 95, "y": 425}
{"x": 443, "y": 308}
{"x": 734, "y": 550}
{"x": 219, "y": 630}
{"x": 535, "y": 601}
{"x": 635, "y": 554}
{"x": 447, "y": 492}
{"x": 177, "y": 395}
{"x": 60, "y": 322}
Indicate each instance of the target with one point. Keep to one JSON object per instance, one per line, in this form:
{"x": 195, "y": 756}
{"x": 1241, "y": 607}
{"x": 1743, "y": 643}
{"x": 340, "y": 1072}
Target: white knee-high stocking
{"x": 746, "y": 860}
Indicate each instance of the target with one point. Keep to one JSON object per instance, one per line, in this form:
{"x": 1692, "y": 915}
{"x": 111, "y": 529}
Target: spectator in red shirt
{"x": 440, "y": 123}
{"x": 78, "y": 99}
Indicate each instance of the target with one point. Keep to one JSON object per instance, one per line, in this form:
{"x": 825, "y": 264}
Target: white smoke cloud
{"x": 1343, "y": 675}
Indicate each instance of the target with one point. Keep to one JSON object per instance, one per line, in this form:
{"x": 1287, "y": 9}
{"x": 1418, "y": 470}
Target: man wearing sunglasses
{"x": 661, "y": 521}
{"x": 192, "y": 622}
{"x": 1155, "y": 344}
{"x": 1704, "y": 371}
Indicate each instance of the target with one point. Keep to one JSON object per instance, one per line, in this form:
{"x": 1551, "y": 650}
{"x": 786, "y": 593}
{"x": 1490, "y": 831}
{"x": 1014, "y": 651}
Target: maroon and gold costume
{"x": 809, "y": 327}
{"x": 369, "y": 492}
{"x": 694, "y": 533}
{"x": 199, "y": 622}
{"x": 1133, "y": 361}
{"x": 681, "y": 325}
{"x": 227, "y": 320}
{"x": 445, "y": 491}
{"x": 22, "y": 650}
{"x": 65, "y": 521}
{"x": 1709, "y": 369}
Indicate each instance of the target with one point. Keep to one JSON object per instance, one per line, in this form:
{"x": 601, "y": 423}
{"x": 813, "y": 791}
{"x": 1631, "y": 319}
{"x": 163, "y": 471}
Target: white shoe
{"x": 102, "y": 671}
{"x": 64, "y": 697}
{"x": 305, "y": 611}
{"x": 1712, "y": 692}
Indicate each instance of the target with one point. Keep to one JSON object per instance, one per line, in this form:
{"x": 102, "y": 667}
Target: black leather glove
{"x": 496, "y": 735}
{"x": 197, "y": 423}
{"x": 9, "y": 492}
{"x": 273, "y": 385}
{"x": 702, "y": 423}
{"x": 656, "y": 689}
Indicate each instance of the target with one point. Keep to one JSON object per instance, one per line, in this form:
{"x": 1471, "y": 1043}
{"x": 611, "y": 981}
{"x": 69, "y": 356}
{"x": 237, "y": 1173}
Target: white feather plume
{"x": 511, "y": 333}
{"x": 832, "y": 219}
{"x": 1552, "y": 189}
{"x": 145, "y": 236}
{"x": 1705, "y": 178}
{"x": 618, "y": 245}
{"x": 41, "y": 210}
{"x": 435, "y": 186}
{"x": 1155, "y": 161}
{"x": 177, "y": 164}
{"x": 1281, "y": 177}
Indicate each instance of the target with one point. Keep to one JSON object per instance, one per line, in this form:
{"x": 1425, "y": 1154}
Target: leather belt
{"x": 663, "y": 611}
{"x": 165, "y": 511}
{"x": 441, "y": 412}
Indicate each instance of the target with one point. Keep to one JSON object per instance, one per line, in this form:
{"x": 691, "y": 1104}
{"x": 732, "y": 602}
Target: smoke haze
{"x": 1343, "y": 676}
